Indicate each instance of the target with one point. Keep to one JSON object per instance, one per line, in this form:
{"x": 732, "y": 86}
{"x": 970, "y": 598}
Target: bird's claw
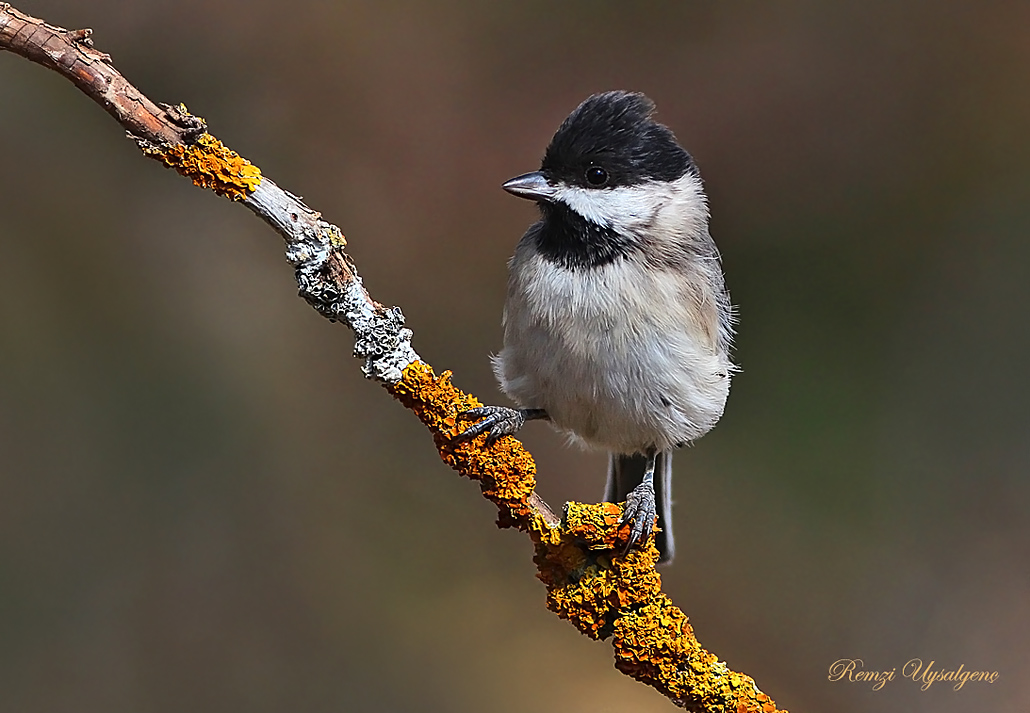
{"x": 642, "y": 509}
{"x": 498, "y": 421}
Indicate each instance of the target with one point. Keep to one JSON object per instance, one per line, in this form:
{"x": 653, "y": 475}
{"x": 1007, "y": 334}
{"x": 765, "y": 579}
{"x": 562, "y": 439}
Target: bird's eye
{"x": 596, "y": 176}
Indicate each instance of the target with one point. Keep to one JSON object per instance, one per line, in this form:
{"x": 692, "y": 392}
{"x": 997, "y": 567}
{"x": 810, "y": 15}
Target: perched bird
{"x": 617, "y": 323}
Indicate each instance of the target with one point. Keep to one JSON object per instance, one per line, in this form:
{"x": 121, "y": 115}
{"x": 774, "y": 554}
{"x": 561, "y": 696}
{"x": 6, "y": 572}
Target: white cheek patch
{"x": 627, "y": 209}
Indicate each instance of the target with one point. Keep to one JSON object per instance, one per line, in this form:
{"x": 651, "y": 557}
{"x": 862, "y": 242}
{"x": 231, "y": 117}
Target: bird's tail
{"x": 625, "y": 473}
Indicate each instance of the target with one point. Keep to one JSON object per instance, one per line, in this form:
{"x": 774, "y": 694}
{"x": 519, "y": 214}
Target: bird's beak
{"x": 533, "y": 186}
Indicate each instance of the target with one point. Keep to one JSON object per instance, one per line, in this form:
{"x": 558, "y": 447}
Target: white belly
{"x": 615, "y": 354}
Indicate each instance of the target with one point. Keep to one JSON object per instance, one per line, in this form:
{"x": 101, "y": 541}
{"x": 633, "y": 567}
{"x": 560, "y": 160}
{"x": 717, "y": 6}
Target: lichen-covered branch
{"x": 604, "y": 594}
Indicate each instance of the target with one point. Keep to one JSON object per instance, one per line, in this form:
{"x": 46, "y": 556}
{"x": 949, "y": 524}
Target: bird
{"x": 617, "y": 322}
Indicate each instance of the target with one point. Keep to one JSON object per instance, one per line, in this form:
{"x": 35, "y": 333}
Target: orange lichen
{"x": 210, "y": 164}
{"x": 597, "y": 526}
{"x": 601, "y": 591}
{"x": 506, "y": 472}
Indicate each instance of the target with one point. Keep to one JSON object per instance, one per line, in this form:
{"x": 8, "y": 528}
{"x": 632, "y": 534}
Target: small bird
{"x": 617, "y": 322}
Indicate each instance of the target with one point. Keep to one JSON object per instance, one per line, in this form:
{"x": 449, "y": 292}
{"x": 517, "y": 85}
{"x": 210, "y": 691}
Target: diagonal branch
{"x": 602, "y": 593}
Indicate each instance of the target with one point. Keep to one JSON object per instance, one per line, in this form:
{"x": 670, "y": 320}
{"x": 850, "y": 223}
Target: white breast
{"x": 621, "y": 356}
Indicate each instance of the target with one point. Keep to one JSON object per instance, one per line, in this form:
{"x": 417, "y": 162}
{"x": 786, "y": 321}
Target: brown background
{"x": 204, "y": 507}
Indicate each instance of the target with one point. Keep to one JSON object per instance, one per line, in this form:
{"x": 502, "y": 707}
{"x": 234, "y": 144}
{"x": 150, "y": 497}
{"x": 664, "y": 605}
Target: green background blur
{"x": 204, "y": 507}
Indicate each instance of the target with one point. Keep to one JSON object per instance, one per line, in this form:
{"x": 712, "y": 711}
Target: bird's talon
{"x": 642, "y": 509}
{"x": 498, "y": 421}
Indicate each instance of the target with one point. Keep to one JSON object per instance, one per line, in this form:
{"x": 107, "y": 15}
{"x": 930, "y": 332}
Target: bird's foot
{"x": 498, "y": 421}
{"x": 642, "y": 509}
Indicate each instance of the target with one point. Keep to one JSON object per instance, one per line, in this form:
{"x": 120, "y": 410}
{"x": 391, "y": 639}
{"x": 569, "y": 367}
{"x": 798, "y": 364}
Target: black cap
{"x": 615, "y": 132}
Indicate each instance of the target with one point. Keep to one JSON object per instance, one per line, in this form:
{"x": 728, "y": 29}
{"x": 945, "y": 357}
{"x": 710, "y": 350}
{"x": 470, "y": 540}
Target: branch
{"x": 602, "y": 593}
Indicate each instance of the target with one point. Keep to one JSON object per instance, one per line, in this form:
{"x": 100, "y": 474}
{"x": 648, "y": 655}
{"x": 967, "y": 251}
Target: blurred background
{"x": 204, "y": 507}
